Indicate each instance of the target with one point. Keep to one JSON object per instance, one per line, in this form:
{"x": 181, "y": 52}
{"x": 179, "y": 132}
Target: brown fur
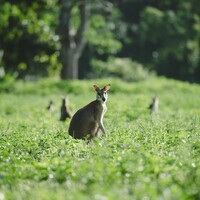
{"x": 88, "y": 120}
{"x": 64, "y": 113}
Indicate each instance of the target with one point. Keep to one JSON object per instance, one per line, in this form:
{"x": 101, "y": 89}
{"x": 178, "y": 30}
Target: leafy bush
{"x": 124, "y": 68}
{"x": 7, "y": 83}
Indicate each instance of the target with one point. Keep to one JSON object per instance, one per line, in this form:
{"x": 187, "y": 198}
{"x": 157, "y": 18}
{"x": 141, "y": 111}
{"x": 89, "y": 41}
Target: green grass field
{"x": 143, "y": 157}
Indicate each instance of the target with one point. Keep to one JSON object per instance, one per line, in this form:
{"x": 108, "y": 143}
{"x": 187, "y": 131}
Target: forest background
{"x": 80, "y": 39}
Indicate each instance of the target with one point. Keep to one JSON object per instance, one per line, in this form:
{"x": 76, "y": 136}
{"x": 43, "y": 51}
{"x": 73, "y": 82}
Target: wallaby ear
{"x": 107, "y": 87}
{"x": 96, "y": 87}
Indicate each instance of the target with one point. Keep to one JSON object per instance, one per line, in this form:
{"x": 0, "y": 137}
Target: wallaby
{"x": 50, "y": 107}
{"x": 154, "y": 105}
{"x": 64, "y": 113}
{"x": 88, "y": 120}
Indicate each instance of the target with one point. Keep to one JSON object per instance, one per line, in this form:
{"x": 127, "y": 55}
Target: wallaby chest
{"x": 99, "y": 109}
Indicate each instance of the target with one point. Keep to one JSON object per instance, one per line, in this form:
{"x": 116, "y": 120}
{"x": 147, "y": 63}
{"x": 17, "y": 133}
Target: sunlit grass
{"x": 142, "y": 157}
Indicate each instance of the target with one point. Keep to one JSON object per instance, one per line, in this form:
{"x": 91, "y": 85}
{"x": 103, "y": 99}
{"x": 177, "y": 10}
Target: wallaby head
{"x": 63, "y": 101}
{"x": 102, "y": 93}
{"x": 64, "y": 113}
{"x": 88, "y": 120}
{"x": 154, "y": 105}
{"x": 155, "y": 101}
{"x": 50, "y": 105}
{"x": 155, "y": 98}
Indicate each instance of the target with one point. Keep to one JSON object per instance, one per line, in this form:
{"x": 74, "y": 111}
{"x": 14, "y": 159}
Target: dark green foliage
{"x": 28, "y": 37}
{"x": 162, "y": 36}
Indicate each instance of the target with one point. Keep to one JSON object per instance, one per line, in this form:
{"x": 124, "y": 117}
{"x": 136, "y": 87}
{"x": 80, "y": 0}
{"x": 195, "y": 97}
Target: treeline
{"x": 84, "y": 38}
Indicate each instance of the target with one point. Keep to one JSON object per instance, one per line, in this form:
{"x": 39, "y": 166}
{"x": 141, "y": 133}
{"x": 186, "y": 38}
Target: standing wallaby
{"x": 50, "y": 107}
{"x": 154, "y": 106}
{"x": 64, "y": 113}
{"x": 88, "y": 120}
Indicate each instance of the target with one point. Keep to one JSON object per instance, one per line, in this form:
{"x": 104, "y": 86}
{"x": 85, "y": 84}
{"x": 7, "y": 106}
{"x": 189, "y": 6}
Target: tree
{"x": 171, "y": 40}
{"x": 164, "y": 36}
{"x": 73, "y": 24}
{"x": 161, "y": 35}
{"x": 27, "y": 37}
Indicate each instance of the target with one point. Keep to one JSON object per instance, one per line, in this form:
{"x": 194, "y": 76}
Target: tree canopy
{"x": 161, "y": 36}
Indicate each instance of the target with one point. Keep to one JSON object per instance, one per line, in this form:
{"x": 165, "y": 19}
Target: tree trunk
{"x": 72, "y": 41}
{"x": 69, "y": 64}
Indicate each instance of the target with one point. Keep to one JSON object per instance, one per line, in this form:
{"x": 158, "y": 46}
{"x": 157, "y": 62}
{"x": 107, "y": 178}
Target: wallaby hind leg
{"x": 95, "y": 134}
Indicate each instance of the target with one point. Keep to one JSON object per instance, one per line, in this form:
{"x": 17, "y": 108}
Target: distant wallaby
{"x": 154, "y": 105}
{"x": 50, "y": 107}
{"x": 88, "y": 120}
{"x": 64, "y": 113}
